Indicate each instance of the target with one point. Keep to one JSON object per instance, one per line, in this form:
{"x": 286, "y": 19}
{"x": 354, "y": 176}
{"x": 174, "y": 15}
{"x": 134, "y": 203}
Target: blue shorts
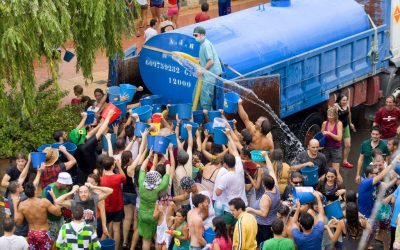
{"x": 129, "y": 198}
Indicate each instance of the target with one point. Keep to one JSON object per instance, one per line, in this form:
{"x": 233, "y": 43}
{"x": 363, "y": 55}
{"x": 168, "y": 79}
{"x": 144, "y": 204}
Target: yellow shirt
{"x": 244, "y": 236}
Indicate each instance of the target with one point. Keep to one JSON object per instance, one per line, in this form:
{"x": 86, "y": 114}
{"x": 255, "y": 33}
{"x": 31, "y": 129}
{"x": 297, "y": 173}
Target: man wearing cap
{"x": 51, "y": 192}
{"x": 48, "y": 172}
{"x": 210, "y": 61}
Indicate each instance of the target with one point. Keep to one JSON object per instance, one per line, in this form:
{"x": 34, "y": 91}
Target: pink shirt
{"x": 222, "y": 243}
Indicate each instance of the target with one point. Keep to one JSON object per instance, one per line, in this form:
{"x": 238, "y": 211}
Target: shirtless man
{"x": 195, "y": 222}
{"x": 34, "y": 210}
{"x": 260, "y": 131}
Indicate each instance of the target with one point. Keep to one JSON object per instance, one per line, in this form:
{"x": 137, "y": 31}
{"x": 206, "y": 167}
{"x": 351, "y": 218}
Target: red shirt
{"x": 114, "y": 202}
{"x": 200, "y": 17}
{"x": 75, "y": 101}
{"x": 388, "y": 121}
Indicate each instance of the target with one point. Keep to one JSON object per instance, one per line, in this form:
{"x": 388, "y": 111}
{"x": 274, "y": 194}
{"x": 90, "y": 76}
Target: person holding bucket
{"x": 330, "y": 187}
{"x": 19, "y": 172}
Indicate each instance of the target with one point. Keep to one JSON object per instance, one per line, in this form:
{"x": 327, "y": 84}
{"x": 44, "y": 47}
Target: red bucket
{"x": 109, "y": 107}
{"x": 156, "y": 117}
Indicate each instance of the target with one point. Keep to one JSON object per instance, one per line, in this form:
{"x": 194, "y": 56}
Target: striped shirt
{"x": 85, "y": 239}
{"x": 244, "y": 236}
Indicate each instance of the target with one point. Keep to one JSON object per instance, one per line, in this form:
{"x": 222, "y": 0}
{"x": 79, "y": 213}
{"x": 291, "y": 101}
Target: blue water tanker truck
{"x": 312, "y": 50}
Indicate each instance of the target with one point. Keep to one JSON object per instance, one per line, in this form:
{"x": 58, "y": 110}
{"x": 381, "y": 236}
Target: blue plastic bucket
{"x": 213, "y": 114}
{"x": 310, "y": 175}
{"x": 140, "y": 127}
{"x": 305, "y": 196}
{"x": 209, "y": 127}
{"x": 256, "y": 156}
{"x": 104, "y": 143}
{"x": 156, "y": 108}
{"x": 209, "y": 235}
{"x": 90, "y": 117}
{"x": 321, "y": 138}
{"x": 144, "y": 112}
{"x": 114, "y": 123}
{"x": 150, "y": 141}
{"x": 231, "y": 124}
{"x": 70, "y": 147}
{"x": 127, "y": 89}
{"x": 160, "y": 144}
{"x": 150, "y": 100}
{"x": 56, "y": 145}
{"x": 334, "y": 210}
{"x": 37, "y": 159}
{"x": 172, "y": 139}
{"x": 183, "y": 131}
{"x": 231, "y": 102}
{"x": 172, "y": 110}
{"x": 113, "y": 94}
{"x": 184, "y": 111}
{"x": 68, "y": 56}
{"x": 107, "y": 244}
{"x": 219, "y": 136}
{"x": 121, "y": 106}
{"x": 198, "y": 116}
{"x": 42, "y": 147}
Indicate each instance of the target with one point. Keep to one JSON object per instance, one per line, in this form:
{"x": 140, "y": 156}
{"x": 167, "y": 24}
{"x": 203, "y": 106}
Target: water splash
{"x": 290, "y": 143}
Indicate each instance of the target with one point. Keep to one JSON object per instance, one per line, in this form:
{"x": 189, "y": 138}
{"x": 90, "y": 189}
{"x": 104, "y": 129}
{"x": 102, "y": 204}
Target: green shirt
{"x": 366, "y": 150}
{"x": 85, "y": 239}
{"x": 57, "y": 193}
{"x": 278, "y": 244}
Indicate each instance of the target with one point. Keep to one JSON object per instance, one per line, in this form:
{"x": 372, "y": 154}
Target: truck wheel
{"x": 310, "y": 126}
{"x": 394, "y": 88}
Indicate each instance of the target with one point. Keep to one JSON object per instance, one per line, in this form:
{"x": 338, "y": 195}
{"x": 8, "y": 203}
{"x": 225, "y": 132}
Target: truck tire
{"x": 394, "y": 88}
{"x": 310, "y": 126}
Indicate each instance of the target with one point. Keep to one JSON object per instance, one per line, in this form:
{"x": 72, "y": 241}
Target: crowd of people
{"x": 200, "y": 194}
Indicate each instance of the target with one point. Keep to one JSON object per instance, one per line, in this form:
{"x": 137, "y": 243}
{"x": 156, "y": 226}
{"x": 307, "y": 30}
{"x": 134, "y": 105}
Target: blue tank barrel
{"x": 249, "y": 40}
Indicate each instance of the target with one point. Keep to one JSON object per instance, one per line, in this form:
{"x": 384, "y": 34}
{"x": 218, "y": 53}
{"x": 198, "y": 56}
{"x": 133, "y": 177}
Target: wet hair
{"x": 265, "y": 127}
{"x": 78, "y": 89}
{"x": 153, "y": 22}
{"x": 130, "y": 131}
{"x": 98, "y": 90}
{"x": 107, "y": 163}
{"x": 247, "y": 137}
{"x": 277, "y": 162}
{"x": 296, "y": 175}
{"x": 284, "y": 210}
{"x": 126, "y": 156}
{"x": 376, "y": 128}
{"x": 237, "y": 203}
{"x": 12, "y": 186}
{"x": 29, "y": 190}
{"x": 183, "y": 157}
{"x": 351, "y": 196}
{"x": 198, "y": 198}
{"x": 183, "y": 212}
{"x": 220, "y": 228}
{"x": 57, "y": 134}
{"x": 353, "y": 225}
{"x": 229, "y": 160}
{"x": 161, "y": 169}
{"x": 330, "y": 170}
{"x": 95, "y": 177}
{"x": 277, "y": 226}
{"x": 77, "y": 213}
{"x": 120, "y": 144}
{"x": 8, "y": 225}
{"x": 246, "y": 152}
{"x": 269, "y": 182}
{"x": 204, "y": 7}
{"x": 306, "y": 221}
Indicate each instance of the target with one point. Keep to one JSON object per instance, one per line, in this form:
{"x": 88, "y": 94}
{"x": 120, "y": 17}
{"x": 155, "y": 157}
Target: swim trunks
{"x": 39, "y": 240}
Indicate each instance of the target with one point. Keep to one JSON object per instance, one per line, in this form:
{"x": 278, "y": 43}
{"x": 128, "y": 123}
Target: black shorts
{"x": 115, "y": 216}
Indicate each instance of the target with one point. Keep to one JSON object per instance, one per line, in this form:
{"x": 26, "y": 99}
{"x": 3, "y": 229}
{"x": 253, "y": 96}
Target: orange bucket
{"x": 109, "y": 107}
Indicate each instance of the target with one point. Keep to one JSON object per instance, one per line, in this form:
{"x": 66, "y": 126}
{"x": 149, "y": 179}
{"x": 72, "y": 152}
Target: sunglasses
{"x": 297, "y": 182}
{"x": 196, "y": 35}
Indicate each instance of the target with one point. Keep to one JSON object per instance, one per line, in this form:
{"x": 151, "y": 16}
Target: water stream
{"x": 290, "y": 142}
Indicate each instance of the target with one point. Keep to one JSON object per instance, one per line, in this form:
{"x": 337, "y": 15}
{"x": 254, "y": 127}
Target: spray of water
{"x": 292, "y": 144}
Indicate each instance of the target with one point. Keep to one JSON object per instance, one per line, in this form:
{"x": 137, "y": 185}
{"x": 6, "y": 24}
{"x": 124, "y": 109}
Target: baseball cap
{"x": 64, "y": 178}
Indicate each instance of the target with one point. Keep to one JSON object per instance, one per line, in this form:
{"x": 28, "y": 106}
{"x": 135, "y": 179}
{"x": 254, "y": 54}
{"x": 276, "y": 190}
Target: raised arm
{"x": 83, "y": 120}
{"x": 55, "y": 210}
{"x": 231, "y": 144}
{"x": 385, "y": 171}
{"x": 105, "y": 191}
{"x": 71, "y": 161}
{"x": 104, "y": 126}
{"x": 25, "y": 171}
{"x": 321, "y": 212}
{"x": 62, "y": 200}
{"x": 190, "y": 137}
{"x": 270, "y": 167}
{"x": 245, "y": 118}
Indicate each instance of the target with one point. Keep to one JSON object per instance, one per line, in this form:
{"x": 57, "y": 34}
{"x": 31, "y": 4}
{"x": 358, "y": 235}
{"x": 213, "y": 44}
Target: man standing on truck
{"x": 260, "y": 130}
{"x": 387, "y": 118}
{"x": 210, "y": 61}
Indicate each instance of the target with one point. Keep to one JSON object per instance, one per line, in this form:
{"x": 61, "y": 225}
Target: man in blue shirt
{"x": 311, "y": 237}
{"x": 210, "y": 61}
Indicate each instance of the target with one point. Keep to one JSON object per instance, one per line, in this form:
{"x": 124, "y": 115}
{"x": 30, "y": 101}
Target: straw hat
{"x": 51, "y": 156}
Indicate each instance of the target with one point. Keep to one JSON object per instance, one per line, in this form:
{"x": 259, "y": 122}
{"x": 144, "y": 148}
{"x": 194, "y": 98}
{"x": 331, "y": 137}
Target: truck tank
{"x": 249, "y": 40}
